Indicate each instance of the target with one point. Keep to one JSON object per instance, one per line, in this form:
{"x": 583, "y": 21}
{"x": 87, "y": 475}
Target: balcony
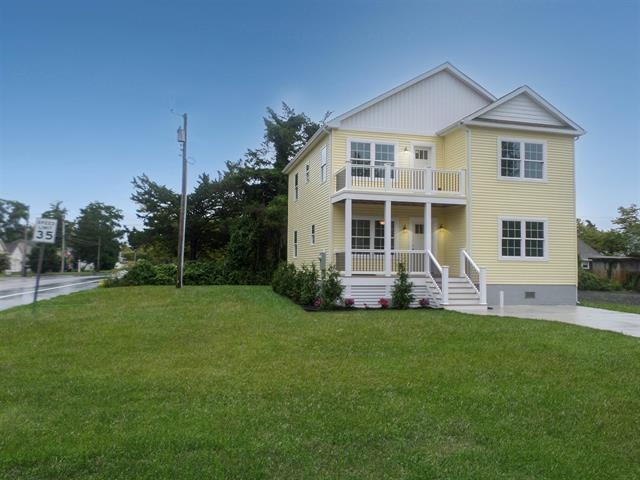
{"x": 392, "y": 179}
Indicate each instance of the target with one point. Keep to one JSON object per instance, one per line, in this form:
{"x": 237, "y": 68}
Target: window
{"x": 522, "y": 239}
{"x": 323, "y": 164}
{"x": 418, "y": 229}
{"x": 313, "y": 234}
{"x": 295, "y": 187}
{"x": 295, "y": 243}
{"x": 586, "y": 264}
{"x": 360, "y": 153}
{"x": 522, "y": 159}
{"x": 306, "y": 173}
{"x": 363, "y": 231}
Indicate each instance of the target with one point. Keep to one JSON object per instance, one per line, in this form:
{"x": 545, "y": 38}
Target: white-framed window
{"x": 523, "y": 238}
{"x": 370, "y": 154}
{"x": 368, "y": 234}
{"x": 586, "y": 264}
{"x": 522, "y": 159}
{"x": 295, "y": 244}
{"x": 323, "y": 164}
{"x": 312, "y": 234}
{"x": 296, "y": 192}
{"x": 306, "y": 172}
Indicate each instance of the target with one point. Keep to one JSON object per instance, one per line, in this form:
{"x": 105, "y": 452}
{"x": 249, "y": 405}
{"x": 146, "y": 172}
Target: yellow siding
{"x": 553, "y": 200}
{"x": 455, "y": 150}
{"x": 312, "y": 207}
{"x": 452, "y": 237}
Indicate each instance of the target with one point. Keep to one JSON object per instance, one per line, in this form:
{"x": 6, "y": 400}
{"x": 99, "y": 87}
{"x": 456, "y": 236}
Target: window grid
{"x": 360, "y": 234}
{"x": 523, "y": 239}
{"x": 306, "y": 173}
{"x": 295, "y": 243}
{"x": 313, "y": 234}
{"x": 521, "y": 159}
{"x": 295, "y": 188}
{"x": 360, "y": 154}
{"x": 323, "y": 164}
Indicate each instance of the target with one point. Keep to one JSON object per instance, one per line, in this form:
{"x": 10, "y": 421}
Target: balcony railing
{"x": 389, "y": 178}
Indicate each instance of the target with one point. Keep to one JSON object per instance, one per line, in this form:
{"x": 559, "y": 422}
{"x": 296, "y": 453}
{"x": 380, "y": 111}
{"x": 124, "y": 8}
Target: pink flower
{"x": 384, "y": 303}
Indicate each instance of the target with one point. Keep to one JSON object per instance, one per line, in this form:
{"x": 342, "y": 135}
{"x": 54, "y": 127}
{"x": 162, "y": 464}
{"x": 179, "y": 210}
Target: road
{"x": 16, "y": 291}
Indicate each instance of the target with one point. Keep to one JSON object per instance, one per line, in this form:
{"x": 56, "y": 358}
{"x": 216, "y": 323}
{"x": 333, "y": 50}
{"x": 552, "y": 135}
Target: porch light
{"x": 404, "y": 227}
{"x": 381, "y": 222}
{"x": 441, "y": 226}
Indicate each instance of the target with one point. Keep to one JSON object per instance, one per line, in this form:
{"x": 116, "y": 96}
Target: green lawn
{"x": 618, "y": 307}
{"x": 236, "y": 382}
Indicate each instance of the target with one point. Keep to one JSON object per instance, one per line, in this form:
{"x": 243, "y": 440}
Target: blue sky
{"x": 86, "y": 88}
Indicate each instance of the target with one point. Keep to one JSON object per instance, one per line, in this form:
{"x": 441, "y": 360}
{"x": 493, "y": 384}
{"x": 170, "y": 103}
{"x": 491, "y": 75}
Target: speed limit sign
{"x": 45, "y": 230}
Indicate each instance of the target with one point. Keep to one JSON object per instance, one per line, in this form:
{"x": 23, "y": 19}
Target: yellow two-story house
{"x": 473, "y": 194}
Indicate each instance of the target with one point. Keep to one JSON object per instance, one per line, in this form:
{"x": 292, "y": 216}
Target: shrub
{"x": 204, "y": 273}
{"x": 589, "y": 281}
{"x": 283, "y": 281}
{"x": 307, "y": 284}
{"x": 330, "y": 287}
{"x": 401, "y": 296}
{"x": 633, "y": 281}
{"x": 165, "y": 274}
{"x": 142, "y": 273}
{"x": 383, "y": 302}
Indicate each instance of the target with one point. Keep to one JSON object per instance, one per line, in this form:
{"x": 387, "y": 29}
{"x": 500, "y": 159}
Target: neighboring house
{"x": 18, "y": 252}
{"x": 612, "y": 267}
{"x": 474, "y": 195}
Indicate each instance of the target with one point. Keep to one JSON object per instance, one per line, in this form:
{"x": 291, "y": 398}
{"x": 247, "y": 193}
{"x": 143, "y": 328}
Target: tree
{"x": 97, "y": 233}
{"x": 608, "y": 242}
{"x": 628, "y": 225}
{"x": 14, "y": 216}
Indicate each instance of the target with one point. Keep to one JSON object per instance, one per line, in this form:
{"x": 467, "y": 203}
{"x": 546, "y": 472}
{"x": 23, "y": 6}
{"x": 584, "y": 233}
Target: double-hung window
{"x": 524, "y": 239}
{"x": 296, "y": 190}
{"x": 368, "y": 235}
{"x": 306, "y": 172}
{"x": 365, "y": 155}
{"x": 323, "y": 164}
{"x": 295, "y": 243}
{"x": 313, "y": 235}
{"x": 523, "y": 159}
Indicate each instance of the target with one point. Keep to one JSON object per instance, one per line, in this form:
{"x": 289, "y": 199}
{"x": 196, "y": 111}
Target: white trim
{"x": 522, "y": 141}
{"x": 469, "y": 196}
{"x": 432, "y": 232}
{"x": 296, "y": 186}
{"x": 372, "y": 150}
{"x": 312, "y": 234}
{"x": 323, "y": 163}
{"x": 522, "y": 257}
{"x": 525, "y": 128}
{"x": 312, "y": 141}
{"x": 295, "y": 243}
{"x": 335, "y": 122}
{"x": 436, "y": 199}
{"x": 307, "y": 172}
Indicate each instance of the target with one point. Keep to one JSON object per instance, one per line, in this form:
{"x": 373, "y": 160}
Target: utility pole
{"x": 182, "y": 139}
{"x": 24, "y": 253}
{"x": 98, "y": 262}
{"x": 62, "y": 252}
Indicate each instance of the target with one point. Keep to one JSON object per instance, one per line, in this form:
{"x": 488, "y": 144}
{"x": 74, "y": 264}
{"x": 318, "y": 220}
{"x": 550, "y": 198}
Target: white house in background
{"x": 18, "y": 253}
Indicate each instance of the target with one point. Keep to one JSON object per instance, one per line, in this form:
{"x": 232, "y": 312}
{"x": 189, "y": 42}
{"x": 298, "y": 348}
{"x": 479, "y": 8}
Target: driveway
{"x": 16, "y": 291}
{"x": 620, "y": 322}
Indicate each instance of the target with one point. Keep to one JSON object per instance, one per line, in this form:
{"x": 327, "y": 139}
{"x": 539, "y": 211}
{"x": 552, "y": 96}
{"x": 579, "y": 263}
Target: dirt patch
{"x": 621, "y": 298}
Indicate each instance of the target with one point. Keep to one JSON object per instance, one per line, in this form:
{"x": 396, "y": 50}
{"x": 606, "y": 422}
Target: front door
{"x": 421, "y": 157}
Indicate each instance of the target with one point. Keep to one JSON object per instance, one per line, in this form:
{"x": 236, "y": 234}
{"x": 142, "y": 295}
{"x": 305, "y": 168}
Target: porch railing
{"x": 400, "y": 179}
{"x": 372, "y": 262}
{"x": 440, "y": 275}
{"x": 476, "y": 275}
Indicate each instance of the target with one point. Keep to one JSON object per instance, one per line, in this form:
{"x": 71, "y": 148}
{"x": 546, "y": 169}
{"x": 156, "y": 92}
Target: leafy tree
{"x": 608, "y": 242}
{"x": 98, "y": 229}
{"x": 628, "y": 222}
{"x": 5, "y": 264}
{"x": 50, "y": 258}
{"x": 14, "y": 216}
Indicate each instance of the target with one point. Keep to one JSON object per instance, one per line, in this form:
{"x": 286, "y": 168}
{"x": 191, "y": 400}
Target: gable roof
{"x": 445, "y": 67}
{"x": 522, "y": 108}
{"x": 586, "y": 251}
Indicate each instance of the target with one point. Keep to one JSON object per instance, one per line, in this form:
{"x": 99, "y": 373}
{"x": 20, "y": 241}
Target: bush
{"x": 142, "y": 273}
{"x": 401, "y": 296}
{"x": 307, "y": 282}
{"x": 633, "y": 281}
{"x": 165, "y": 274}
{"x": 330, "y": 287}
{"x": 284, "y": 281}
{"x": 204, "y": 273}
{"x": 589, "y": 281}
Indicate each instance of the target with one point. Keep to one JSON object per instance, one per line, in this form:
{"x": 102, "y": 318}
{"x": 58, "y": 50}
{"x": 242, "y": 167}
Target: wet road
{"x": 16, "y": 291}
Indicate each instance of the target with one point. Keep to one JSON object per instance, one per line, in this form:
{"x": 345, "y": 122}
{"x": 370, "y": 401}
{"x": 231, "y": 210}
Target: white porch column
{"x": 347, "y": 237}
{"x": 387, "y": 238}
{"x": 427, "y": 235}
{"x": 347, "y": 175}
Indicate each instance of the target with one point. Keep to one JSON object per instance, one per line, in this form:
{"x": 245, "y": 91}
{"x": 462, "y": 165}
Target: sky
{"x": 90, "y": 92}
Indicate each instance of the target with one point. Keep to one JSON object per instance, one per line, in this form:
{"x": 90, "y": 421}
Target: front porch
{"x": 375, "y": 237}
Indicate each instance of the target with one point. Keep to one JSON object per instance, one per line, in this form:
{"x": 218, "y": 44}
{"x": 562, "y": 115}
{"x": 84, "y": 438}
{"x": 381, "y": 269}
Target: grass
{"x": 618, "y": 307}
{"x": 236, "y": 382}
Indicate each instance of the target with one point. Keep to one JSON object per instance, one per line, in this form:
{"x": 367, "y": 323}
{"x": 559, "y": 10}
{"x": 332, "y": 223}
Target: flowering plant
{"x": 384, "y": 302}
{"x": 424, "y": 302}
{"x": 317, "y": 302}
{"x": 349, "y": 302}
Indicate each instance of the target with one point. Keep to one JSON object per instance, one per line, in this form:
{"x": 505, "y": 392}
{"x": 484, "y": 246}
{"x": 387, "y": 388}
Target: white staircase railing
{"x": 440, "y": 275}
{"x": 477, "y": 276}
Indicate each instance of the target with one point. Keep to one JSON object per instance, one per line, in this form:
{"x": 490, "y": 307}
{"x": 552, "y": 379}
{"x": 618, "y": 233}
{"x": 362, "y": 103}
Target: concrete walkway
{"x": 620, "y": 322}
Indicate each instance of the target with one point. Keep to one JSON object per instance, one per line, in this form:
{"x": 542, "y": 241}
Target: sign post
{"x": 44, "y": 231}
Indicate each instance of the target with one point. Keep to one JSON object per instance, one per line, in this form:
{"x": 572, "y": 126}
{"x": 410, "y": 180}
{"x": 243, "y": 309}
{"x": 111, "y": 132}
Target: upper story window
{"x": 523, "y": 239}
{"x": 522, "y": 159}
{"x": 323, "y": 164}
{"x": 313, "y": 234}
{"x": 295, "y": 187}
{"x": 306, "y": 173}
{"x": 370, "y": 154}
